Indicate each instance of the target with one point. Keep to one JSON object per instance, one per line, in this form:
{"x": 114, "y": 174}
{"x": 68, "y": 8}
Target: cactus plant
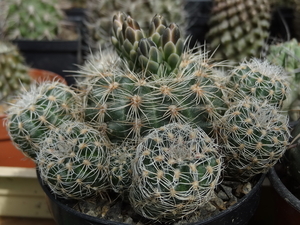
{"x": 73, "y": 160}
{"x": 13, "y": 71}
{"x": 32, "y": 19}
{"x": 175, "y": 172}
{"x": 238, "y": 29}
{"x": 39, "y": 110}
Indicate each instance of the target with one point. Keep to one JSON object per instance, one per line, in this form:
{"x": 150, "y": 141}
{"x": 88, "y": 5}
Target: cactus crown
{"x": 157, "y": 52}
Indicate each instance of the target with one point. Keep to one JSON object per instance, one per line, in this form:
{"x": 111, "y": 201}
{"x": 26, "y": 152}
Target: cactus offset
{"x": 39, "y": 110}
{"x": 120, "y": 175}
{"x": 255, "y": 137}
{"x": 175, "y": 171}
{"x": 260, "y": 79}
{"x": 73, "y": 160}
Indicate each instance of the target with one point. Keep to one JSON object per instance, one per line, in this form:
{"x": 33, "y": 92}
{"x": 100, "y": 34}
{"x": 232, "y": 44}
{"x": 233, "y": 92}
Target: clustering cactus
{"x": 99, "y": 13}
{"x": 175, "y": 171}
{"x": 39, "y": 110}
{"x": 13, "y": 71}
{"x": 31, "y": 19}
{"x": 73, "y": 160}
{"x": 238, "y": 29}
{"x": 158, "y": 119}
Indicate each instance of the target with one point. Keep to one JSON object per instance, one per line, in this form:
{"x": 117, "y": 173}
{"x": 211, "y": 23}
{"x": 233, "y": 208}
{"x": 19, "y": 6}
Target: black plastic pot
{"x": 287, "y": 204}
{"x": 282, "y": 24}
{"x": 57, "y": 56}
{"x": 238, "y": 214}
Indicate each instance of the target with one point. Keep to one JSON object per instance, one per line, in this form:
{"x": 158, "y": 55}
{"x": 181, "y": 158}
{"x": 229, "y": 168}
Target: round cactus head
{"x": 73, "y": 160}
{"x": 175, "y": 170}
{"x": 255, "y": 137}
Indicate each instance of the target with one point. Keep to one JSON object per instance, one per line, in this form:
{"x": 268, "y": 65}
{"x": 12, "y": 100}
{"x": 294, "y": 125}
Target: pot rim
{"x": 282, "y": 190}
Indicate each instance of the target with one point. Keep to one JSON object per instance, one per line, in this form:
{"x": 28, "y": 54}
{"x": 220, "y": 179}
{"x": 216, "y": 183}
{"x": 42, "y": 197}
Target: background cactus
{"x": 13, "y": 71}
{"x": 39, "y": 110}
{"x": 31, "y": 19}
{"x": 175, "y": 171}
{"x": 255, "y": 137}
{"x": 238, "y": 29}
{"x": 73, "y": 160}
{"x": 287, "y": 55}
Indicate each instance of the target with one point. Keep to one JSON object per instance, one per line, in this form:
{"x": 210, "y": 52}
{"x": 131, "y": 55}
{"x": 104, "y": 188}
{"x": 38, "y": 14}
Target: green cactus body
{"x": 32, "y": 19}
{"x": 238, "y": 29}
{"x": 39, "y": 110}
{"x": 120, "y": 174}
{"x": 255, "y": 137}
{"x": 260, "y": 79}
{"x": 175, "y": 171}
{"x": 127, "y": 102}
{"x": 73, "y": 160}
{"x": 13, "y": 71}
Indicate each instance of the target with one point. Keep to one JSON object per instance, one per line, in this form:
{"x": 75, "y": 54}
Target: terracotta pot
{"x": 45, "y": 75}
{"x": 9, "y": 155}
